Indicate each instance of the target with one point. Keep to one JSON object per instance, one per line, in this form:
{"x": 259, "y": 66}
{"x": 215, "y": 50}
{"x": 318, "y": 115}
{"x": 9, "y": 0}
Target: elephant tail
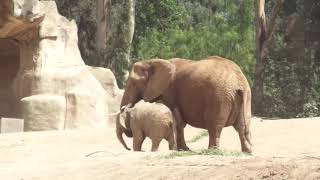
{"x": 244, "y": 117}
{"x": 120, "y": 129}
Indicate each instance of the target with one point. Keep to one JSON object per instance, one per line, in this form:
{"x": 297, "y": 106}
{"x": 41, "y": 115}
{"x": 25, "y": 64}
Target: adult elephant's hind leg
{"x": 215, "y": 124}
{"x": 244, "y": 135}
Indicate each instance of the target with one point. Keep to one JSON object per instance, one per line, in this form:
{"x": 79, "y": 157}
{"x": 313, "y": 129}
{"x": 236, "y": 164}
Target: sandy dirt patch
{"x": 283, "y": 149}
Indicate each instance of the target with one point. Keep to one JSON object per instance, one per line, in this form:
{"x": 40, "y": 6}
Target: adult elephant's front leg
{"x": 180, "y": 125}
{"x": 181, "y": 143}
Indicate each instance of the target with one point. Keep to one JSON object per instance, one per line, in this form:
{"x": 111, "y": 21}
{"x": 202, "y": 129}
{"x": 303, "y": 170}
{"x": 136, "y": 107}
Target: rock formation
{"x": 109, "y": 83}
{"x": 43, "y": 77}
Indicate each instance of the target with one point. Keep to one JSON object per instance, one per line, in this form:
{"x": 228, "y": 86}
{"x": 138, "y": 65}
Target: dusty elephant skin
{"x": 211, "y": 94}
{"x": 153, "y": 120}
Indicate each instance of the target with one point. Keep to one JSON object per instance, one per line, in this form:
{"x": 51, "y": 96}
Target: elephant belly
{"x": 191, "y": 104}
{"x": 202, "y": 93}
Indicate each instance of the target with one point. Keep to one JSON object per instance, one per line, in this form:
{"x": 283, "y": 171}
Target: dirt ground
{"x": 283, "y": 149}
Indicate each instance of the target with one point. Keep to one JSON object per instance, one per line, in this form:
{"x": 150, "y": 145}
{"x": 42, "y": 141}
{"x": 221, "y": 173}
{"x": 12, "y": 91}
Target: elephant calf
{"x": 153, "y": 120}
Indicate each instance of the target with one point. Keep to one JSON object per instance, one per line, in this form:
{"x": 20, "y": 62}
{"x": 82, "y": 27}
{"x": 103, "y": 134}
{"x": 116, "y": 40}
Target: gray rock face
{"x": 55, "y": 87}
{"x": 11, "y": 125}
{"x": 44, "y": 112}
{"x": 109, "y": 83}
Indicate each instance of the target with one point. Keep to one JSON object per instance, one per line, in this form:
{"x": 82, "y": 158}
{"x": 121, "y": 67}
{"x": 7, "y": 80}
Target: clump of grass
{"x": 222, "y": 152}
{"x": 202, "y": 134}
{"x": 207, "y": 152}
{"x": 178, "y": 154}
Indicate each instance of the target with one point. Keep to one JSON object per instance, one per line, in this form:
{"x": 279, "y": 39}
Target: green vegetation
{"x": 203, "y": 134}
{"x": 292, "y": 86}
{"x": 200, "y": 28}
{"x": 205, "y": 29}
{"x": 206, "y": 152}
{"x": 168, "y": 29}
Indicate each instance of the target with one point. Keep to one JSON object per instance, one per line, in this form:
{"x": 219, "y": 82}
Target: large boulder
{"x": 109, "y": 83}
{"x": 43, "y": 112}
{"x": 11, "y": 125}
{"x": 82, "y": 105}
{"x": 58, "y": 90}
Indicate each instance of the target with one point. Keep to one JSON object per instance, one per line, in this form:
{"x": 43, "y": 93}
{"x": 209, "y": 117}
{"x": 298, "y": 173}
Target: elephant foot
{"x": 183, "y": 148}
{"x": 246, "y": 147}
{"x": 213, "y": 147}
{"x": 247, "y": 150}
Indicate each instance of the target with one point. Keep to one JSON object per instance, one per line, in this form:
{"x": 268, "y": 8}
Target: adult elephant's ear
{"x": 161, "y": 73}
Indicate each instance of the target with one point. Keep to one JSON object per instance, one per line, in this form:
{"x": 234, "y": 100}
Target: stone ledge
{"x": 11, "y": 125}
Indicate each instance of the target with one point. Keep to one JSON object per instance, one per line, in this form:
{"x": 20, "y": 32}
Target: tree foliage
{"x": 202, "y": 29}
{"x": 195, "y": 29}
{"x": 292, "y": 84}
{"x": 114, "y": 55}
{"x": 83, "y": 12}
{"x": 167, "y": 29}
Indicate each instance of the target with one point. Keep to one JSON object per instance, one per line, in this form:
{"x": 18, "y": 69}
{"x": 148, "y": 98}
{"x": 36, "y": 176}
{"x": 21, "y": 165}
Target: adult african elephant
{"x": 211, "y": 94}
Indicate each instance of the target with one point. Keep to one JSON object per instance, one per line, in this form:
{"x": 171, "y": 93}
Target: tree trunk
{"x": 103, "y": 23}
{"x": 6, "y": 9}
{"x": 131, "y": 25}
{"x": 263, "y": 38}
{"x": 131, "y": 20}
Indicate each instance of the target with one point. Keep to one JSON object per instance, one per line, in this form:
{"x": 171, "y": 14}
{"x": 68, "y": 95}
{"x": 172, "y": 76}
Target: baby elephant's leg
{"x": 155, "y": 144}
{"x": 172, "y": 142}
{"x": 138, "y": 139}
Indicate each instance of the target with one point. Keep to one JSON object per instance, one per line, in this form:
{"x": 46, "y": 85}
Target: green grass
{"x": 207, "y": 152}
{"x": 203, "y": 134}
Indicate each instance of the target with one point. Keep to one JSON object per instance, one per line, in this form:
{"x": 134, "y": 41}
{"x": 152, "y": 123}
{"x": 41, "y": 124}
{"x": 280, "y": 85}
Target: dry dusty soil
{"x": 283, "y": 149}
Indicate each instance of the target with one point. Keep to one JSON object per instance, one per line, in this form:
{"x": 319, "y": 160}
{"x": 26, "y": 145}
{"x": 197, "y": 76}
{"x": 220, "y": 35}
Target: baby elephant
{"x": 153, "y": 120}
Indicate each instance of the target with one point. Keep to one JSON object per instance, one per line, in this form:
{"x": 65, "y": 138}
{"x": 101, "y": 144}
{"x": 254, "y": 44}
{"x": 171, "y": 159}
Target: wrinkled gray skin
{"x": 153, "y": 120}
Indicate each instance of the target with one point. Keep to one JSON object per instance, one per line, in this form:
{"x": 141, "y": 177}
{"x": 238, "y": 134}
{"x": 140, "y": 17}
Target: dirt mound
{"x": 283, "y": 149}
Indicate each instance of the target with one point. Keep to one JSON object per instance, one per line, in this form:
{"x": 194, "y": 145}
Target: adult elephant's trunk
{"x": 120, "y": 129}
{"x": 128, "y": 100}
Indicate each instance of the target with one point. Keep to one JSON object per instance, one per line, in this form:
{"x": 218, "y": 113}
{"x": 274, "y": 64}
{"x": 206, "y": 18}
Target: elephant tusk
{"x": 123, "y": 108}
{"x": 118, "y": 112}
{"x": 114, "y": 114}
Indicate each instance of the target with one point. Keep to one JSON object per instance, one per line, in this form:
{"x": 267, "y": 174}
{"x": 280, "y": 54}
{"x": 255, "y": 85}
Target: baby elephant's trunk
{"x": 120, "y": 130}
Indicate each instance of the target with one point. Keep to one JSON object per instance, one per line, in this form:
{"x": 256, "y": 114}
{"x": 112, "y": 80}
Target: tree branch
{"x": 274, "y": 14}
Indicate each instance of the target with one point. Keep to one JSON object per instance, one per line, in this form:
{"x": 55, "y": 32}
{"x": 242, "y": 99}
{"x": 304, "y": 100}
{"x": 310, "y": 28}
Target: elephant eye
{"x": 145, "y": 73}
